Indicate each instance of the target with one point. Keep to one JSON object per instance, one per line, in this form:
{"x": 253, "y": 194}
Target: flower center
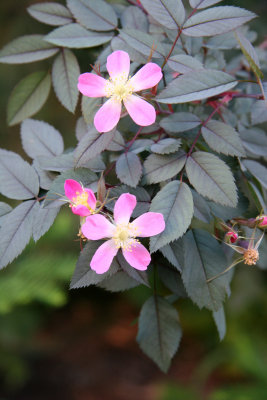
{"x": 119, "y": 88}
{"x": 251, "y": 256}
{"x": 81, "y": 199}
{"x": 125, "y": 237}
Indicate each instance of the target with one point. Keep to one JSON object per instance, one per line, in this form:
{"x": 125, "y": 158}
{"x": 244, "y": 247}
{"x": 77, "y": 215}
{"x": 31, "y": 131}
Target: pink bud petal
{"x": 97, "y": 227}
{"x": 103, "y": 257}
{"x": 108, "y": 116}
{"x": 80, "y": 210}
{"x": 72, "y": 188}
{"x": 140, "y": 110}
{"x": 91, "y": 198}
{"x": 147, "y": 77}
{"x": 124, "y": 207}
{"x": 92, "y": 85}
{"x": 149, "y": 224}
{"x": 138, "y": 256}
{"x": 118, "y": 63}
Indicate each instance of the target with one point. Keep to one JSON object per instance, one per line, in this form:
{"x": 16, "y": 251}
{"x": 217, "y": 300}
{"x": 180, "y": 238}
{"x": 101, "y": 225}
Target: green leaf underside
{"x": 203, "y": 259}
{"x": 169, "y": 13}
{"x": 212, "y": 178}
{"x": 50, "y": 13}
{"x": 216, "y": 20}
{"x": 28, "y": 97}
{"x": 92, "y": 144}
{"x": 223, "y": 138}
{"x": 159, "y": 331}
{"x": 83, "y": 275}
{"x": 93, "y": 14}
{"x": 40, "y": 139}
{"x": 15, "y": 235}
{"x": 65, "y": 73}
{"x": 129, "y": 169}
{"x": 180, "y": 122}
{"x": 75, "y": 36}
{"x": 25, "y": 49}
{"x": 18, "y": 179}
{"x": 175, "y": 202}
{"x": 197, "y": 85}
{"x": 158, "y": 168}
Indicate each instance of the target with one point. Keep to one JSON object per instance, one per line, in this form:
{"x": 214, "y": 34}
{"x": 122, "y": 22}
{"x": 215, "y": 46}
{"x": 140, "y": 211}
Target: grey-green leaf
{"x": 134, "y": 18}
{"x": 142, "y": 197}
{"x": 175, "y": 202}
{"x": 159, "y": 168}
{"x": 258, "y": 170}
{"x": 159, "y": 331}
{"x": 180, "y": 122}
{"x": 65, "y": 73}
{"x": 223, "y": 138}
{"x": 169, "y": 13}
{"x": 129, "y": 169}
{"x": 118, "y": 282}
{"x": 91, "y": 144}
{"x": 83, "y": 275}
{"x": 40, "y": 139}
{"x": 250, "y": 53}
{"x": 219, "y": 319}
{"x": 203, "y": 3}
{"x": 4, "y": 208}
{"x": 183, "y": 63}
{"x": 166, "y": 146}
{"x": 255, "y": 141}
{"x": 201, "y": 208}
{"x": 50, "y": 13}
{"x": 196, "y": 85}
{"x": 203, "y": 259}
{"x": 18, "y": 179}
{"x": 43, "y": 220}
{"x": 135, "y": 274}
{"x": 28, "y": 97}
{"x": 259, "y": 112}
{"x": 93, "y": 14}
{"x": 26, "y": 49}
{"x": 174, "y": 253}
{"x": 172, "y": 280}
{"x": 143, "y": 43}
{"x": 15, "y": 235}
{"x": 75, "y": 36}
{"x": 212, "y": 178}
{"x": 216, "y": 20}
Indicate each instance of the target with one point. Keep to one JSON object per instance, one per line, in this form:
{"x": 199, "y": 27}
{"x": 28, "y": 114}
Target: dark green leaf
{"x": 118, "y": 282}
{"x": 26, "y": 49}
{"x": 196, "y": 85}
{"x": 50, "y": 13}
{"x": 40, "y": 139}
{"x": 175, "y": 202}
{"x": 212, "y": 178}
{"x": 174, "y": 253}
{"x": 159, "y": 168}
{"x": 142, "y": 197}
{"x": 28, "y": 97}
{"x": 169, "y": 13}
{"x": 135, "y": 274}
{"x": 65, "y": 73}
{"x": 83, "y": 275}
{"x": 129, "y": 169}
{"x": 159, "y": 331}
{"x": 75, "y": 36}
{"x": 172, "y": 280}
{"x": 15, "y": 235}
{"x": 18, "y": 180}
{"x": 219, "y": 319}
{"x": 203, "y": 259}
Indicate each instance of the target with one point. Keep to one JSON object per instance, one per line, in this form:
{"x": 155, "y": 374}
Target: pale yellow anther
{"x": 251, "y": 256}
{"x": 125, "y": 237}
{"x": 119, "y": 88}
{"x": 81, "y": 200}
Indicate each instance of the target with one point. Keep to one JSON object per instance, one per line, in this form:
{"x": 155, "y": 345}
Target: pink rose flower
{"x": 82, "y": 200}
{"x": 120, "y": 88}
{"x": 122, "y": 234}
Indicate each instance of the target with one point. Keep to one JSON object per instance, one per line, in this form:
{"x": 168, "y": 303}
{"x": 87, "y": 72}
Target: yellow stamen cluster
{"x": 119, "y": 88}
{"x": 81, "y": 200}
{"x": 251, "y": 256}
{"x": 125, "y": 237}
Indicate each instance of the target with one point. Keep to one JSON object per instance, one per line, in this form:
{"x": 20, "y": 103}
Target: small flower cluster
{"x": 120, "y": 232}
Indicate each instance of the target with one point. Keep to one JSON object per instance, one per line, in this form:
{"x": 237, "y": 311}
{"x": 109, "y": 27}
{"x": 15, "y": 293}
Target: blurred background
{"x": 80, "y": 345}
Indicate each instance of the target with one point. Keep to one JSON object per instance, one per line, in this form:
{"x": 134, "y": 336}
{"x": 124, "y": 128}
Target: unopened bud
{"x": 231, "y": 237}
{"x": 263, "y": 221}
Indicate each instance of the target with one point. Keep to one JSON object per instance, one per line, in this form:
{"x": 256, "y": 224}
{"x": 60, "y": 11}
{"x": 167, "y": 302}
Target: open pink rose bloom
{"x": 120, "y": 88}
{"x": 122, "y": 234}
{"x": 82, "y": 200}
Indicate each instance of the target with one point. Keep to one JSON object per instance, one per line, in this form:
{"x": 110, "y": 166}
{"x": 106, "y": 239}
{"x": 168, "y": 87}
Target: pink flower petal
{"x": 91, "y": 198}
{"x": 97, "y": 227}
{"x": 148, "y": 224}
{"x": 92, "y": 85}
{"x": 124, "y": 207}
{"x": 147, "y": 77}
{"x": 140, "y": 111}
{"x": 138, "y": 256}
{"x": 72, "y": 188}
{"x": 118, "y": 63}
{"x": 80, "y": 210}
{"x": 103, "y": 257}
{"x": 108, "y": 116}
